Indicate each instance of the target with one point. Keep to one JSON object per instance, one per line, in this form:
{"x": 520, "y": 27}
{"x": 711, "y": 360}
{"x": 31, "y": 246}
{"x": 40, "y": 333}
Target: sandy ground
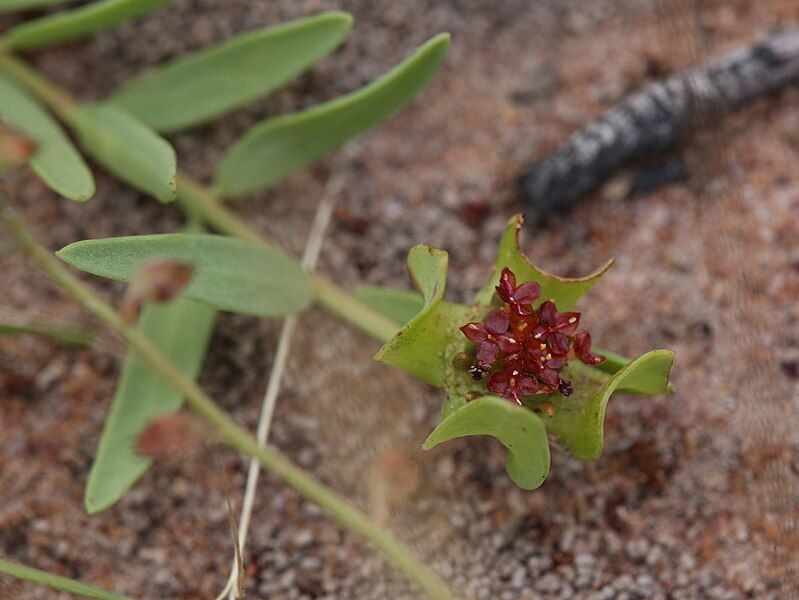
{"x": 666, "y": 513}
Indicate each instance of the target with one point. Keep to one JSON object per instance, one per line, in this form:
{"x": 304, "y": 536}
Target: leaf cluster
{"x": 124, "y": 133}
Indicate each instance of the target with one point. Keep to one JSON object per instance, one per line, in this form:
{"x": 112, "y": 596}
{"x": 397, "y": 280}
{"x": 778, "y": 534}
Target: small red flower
{"x": 526, "y": 348}
{"x": 556, "y": 328}
{"x": 542, "y": 361}
{"x": 520, "y": 299}
{"x": 582, "y": 349}
{"x": 492, "y": 338}
{"x": 512, "y": 382}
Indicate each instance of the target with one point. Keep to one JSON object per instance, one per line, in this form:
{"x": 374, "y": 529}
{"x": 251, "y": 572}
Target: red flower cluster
{"x": 524, "y": 348}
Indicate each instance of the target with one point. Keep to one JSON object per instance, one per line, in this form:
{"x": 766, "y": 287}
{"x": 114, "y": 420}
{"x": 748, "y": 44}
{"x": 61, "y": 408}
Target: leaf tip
{"x": 442, "y": 40}
{"x": 339, "y": 17}
{"x": 63, "y": 253}
{"x": 93, "y": 499}
{"x": 429, "y": 442}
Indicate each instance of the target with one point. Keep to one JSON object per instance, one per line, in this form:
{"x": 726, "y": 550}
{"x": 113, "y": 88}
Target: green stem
{"x": 71, "y": 336}
{"x": 199, "y": 201}
{"x": 229, "y": 432}
{"x": 57, "y": 582}
{"x": 59, "y": 101}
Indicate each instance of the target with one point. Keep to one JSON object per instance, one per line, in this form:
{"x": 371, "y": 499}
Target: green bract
{"x": 564, "y": 291}
{"x": 520, "y": 430}
{"x": 577, "y": 420}
{"x": 419, "y": 347}
{"x": 430, "y": 344}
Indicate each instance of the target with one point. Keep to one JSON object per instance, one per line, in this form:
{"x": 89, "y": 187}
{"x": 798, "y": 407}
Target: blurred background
{"x": 676, "y": 506}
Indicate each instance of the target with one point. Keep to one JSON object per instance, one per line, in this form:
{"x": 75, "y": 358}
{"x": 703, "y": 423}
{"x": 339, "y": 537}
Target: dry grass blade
{"x": 235, "y": 584}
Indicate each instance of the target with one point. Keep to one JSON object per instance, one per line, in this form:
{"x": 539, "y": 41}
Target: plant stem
{"x": 57, "y": 582}
{"x": 229, "y": 432}
{"x": 59, "y": 101}
{"x": 199, "y": 201}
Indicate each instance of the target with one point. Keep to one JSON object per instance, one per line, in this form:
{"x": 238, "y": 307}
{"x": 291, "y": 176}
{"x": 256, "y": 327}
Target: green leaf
{"x": 563, "y": 290}
{"x": 71, "y": 336}
{"x": 229, "y": 273}
{"x": 129, "y": 149}
{"x": 613, "y": 362}
{"x": 578, "y": 420}
{"x": 57, "y": 582}
{"x": 519, "y": 429}
{"x": 56, "y": 160}
{"x": 281, "y": 145}
{"x": 200, "y": 86}
{"x": 182, "y": 330}
{"x": 398, "y": 305}
{"x": 8, "y": 6}
{"x": 419, "y": 346}
{"x": 76, "y": 23}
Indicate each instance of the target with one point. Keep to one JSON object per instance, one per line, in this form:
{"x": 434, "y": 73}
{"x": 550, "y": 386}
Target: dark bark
{"x": 654, "y": 118}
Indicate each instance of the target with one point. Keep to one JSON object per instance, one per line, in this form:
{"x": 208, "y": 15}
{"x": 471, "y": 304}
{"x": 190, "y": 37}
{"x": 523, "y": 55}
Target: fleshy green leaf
{"x": 76, "y": 23}
{"x": 398, "y": 305}
{"x": 182, "y": 330}
{"x": 281, "y": 145}
{"x": 205, "y": 84}
{"x": 229, "y": 273}
{"x": 8, "y": 6}
{"x": 71, "y": 336}
{"x": 519, "y": 429}
{"x": 578, "y": 421}
{"x": 56, "y": 160}
{"x": 129, "y": 149}
{"x": 564, "y": 291}
{"x": 419, "y": 346}
{"x": 57, "y": 582}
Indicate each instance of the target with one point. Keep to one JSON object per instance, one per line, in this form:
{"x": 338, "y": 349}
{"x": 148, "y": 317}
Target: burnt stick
{"x": 655, "y": 118}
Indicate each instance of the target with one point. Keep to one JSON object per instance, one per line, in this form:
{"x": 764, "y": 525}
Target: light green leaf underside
{"x": 8, "y": 6}
{"x": 419, "y": 346}
{"x": 128, "y": 148}
{"x": 564, "y": 291}
{"x": 229, "y": 273}
{"x": 281, "y": 145}
{"x": 56, "y": 160}
{"x": 71, "y": 336}
{"x": 398, "y": 305}
{"x": 182, "y": 330}
{"x": 76, "y": 23}
{"x": 200, "y": 86}
{"x": 57, "y": 582}
{"x": 578, "y": 421}
{"x": 519, "y": 429}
